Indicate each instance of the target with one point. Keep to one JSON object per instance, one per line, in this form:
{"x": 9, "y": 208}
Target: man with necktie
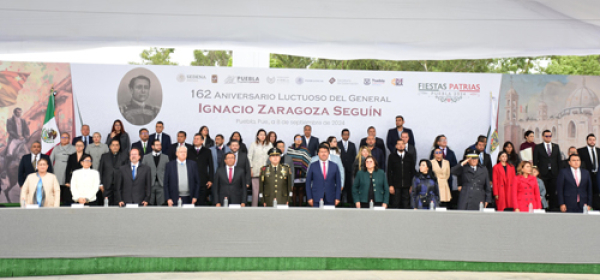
{"x": 589, "y": 161}
{"x": 204, "y": 161}
{"x": 85, "y": 136}
{"x": 157, "y": 161}
{"x": 165, "y": 139}
{"x": 348, "y": 155}
{"x": 135, "y": 182}
{"x": 143, "y": 145}
{"x": 230, "y": 182}
{"x": 574, "y": 187}
{"x": 323, "y": 180}
{"x": 546, "y": 156}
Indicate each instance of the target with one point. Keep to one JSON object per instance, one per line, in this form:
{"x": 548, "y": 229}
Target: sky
{"x": 114, "y": 55}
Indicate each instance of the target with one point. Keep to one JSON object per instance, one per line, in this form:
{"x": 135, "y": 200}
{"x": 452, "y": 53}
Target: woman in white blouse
{"x": 85, "y": 182}
{"x": 257, "y": 156}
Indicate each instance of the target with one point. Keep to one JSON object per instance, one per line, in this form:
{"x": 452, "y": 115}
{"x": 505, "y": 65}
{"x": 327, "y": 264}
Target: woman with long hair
{"x": 503, "y": 178}
{"x": 272, "y": 136}
{"x": 513, "y": 157}
{"x": 258, "y": 154}
{"x": 359, "y": 161}
{"x": 301, "y": 157}
{"x": 118, "y": 132}
{"x": 333, "y": 148}
{"x": 208, "y": 142}
{"x": 237, "y": 136}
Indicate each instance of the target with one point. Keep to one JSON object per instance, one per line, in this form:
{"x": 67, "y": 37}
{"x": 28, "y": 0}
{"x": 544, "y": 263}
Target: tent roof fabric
{"x": 335, "y": 29}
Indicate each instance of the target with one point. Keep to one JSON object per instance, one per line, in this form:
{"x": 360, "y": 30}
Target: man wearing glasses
{"x": 546, "y": 156}
{"x": 143, "y": 145}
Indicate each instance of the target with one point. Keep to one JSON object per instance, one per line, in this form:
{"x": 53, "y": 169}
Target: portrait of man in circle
{"x": 137, "y": 103}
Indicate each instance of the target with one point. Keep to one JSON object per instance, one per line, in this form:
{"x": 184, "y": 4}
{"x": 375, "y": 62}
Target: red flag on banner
{"x": 10, "y": 85}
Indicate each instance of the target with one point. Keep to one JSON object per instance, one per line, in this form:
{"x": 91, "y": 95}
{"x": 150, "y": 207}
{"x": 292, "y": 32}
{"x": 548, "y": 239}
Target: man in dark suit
{"x": 376, "y": 152}
{"x": 546, "y": 156}
{"x": 241, "y": 160}
{"x": 590, "y": 155}
{"x": 29, "y": 162}
{"x": 165, "y": 139}
{"x": 378, "y": 142}
{"x": 476, "y": 187}
{"x": 323, "y": 180}
{"x": 311, "y": 143}
{"x": 143, "y": 145}
{"x": 230, "y": 182}
{"x": 157, "y": 161}
{"x": 188, "y": 188}
{"x": 565, "y": 162}
{"x": 204, "y": 161}
{"x": 348, "y": 154}
{"x": 396, "y": 133}
{"x": 110, "y": 163}
{"x": 401, "y": 170}
{"x": 181, "y": 135}
{"x": 574, "y": 187}
{"x": 17, "y": 129}
{"x": 135, "y": 181}
{"x": 85, "y": 136}
{"x": 485, "y": 159}
{"x": 218, "y": 151}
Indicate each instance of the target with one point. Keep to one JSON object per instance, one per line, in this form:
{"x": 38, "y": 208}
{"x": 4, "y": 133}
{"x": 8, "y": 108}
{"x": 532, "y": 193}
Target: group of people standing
{"x": 155, "y": 171}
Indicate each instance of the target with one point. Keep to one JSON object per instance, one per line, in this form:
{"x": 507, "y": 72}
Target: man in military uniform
{"x": 476, "y": 186}
{"x": 137, "y": 111}
{"x": 275, "y": 180}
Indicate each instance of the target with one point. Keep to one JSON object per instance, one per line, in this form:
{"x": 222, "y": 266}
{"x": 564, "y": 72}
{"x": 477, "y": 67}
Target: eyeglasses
{"x": 438, "y": 153}
{"x": 145, "y": 133}
{"x": 548, "y": 136}
{"x": 64, "y": 137}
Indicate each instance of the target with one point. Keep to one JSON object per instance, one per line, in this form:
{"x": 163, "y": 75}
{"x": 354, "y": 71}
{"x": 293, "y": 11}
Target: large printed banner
{"x": 245, "y": 100}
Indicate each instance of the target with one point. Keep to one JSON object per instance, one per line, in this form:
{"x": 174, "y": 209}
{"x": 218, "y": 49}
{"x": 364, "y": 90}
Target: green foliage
{"x": 156, "y": 56}
{"x": 212, "y": 58}
{"x": 574, "y": 65}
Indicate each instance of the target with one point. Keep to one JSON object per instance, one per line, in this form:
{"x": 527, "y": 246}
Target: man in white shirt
{"x": 590, "y": 156}
{"x": 85, "y": 182}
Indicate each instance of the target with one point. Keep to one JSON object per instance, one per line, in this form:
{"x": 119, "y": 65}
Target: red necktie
{"x": 324, "y": 171}
{"x": 230, "y": 174}
{"x": 444, "y": 150}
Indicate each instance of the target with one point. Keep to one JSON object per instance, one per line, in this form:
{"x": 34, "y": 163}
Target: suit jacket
{"x": 392, "y": 138}
{"x": 26, "y": 167}
{"x": 216, "y": 163}
{"x": 348, "y": 158}
{"x": 158, "y": 172}
{"x": 11, "y": 128}
{"x": 378, "y": 143}
{"x": 379, "y": 156}
{"x": 173, "y": 150}
{"x": 234, "y": 191}
{"x": 204, "y": 160}
{"x": 584, "y": 154}
{"x": 165, "y": 140}
{"x": 542, "y": 160}
{"x": 400, "y": 173}
{"x": 109, "y": 171}
{"x": 451, "y": 158}
{"x": 567, "y": 189}
{"x": 136, "y": 190}
{"x": 50, "y": 185}
{"x": 244, "y": 163}
{"x": 362, "y": 183}
{"x": 336, "y": 159}
{"x": 123, "y": 140}
{"x": 413, "y": 152}
{"x": 171, "y": 180}
{"x": 313, "y": 146}
{"x": 318, "y": 188}
{"x": 90, "y": 140}
{"x": 138, "y": 145}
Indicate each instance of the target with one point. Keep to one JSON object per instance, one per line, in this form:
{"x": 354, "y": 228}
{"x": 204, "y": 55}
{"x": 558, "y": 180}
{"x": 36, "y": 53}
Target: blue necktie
{"x": 40, "y": 192}
{"x": 133, "y": 172}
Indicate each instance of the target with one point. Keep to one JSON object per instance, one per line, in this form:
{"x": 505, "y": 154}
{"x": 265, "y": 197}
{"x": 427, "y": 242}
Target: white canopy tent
{"x": 336, "y": 29}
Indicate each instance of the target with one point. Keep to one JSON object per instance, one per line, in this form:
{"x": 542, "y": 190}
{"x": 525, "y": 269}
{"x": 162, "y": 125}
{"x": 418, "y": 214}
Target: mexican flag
{"x": 50, "y": 133}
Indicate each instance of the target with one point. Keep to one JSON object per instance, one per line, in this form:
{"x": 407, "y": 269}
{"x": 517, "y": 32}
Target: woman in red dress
{"x": 502, "y": 179}
{"x": 526, "y": 190}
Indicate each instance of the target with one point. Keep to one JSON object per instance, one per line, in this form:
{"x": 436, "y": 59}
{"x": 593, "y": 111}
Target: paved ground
{"x": 334, "y": 275}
